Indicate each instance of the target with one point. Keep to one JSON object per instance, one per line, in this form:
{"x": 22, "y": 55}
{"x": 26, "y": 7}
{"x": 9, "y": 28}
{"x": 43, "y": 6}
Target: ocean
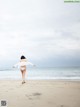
{"x": 35, "y": 73}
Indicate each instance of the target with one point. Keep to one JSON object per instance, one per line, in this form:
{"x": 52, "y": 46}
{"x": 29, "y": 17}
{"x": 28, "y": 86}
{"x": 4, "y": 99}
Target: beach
{"x": 40, "y": 93}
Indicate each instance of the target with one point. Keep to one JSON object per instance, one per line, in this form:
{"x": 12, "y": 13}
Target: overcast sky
{"x": 47, "y": 32}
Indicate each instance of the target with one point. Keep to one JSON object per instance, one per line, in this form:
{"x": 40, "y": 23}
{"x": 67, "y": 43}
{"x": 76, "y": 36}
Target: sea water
{"x": 69, "y": 73}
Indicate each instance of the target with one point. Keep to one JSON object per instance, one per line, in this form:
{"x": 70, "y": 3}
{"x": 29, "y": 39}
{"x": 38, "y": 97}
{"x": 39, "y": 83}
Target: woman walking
{"x": 23, "y": 65}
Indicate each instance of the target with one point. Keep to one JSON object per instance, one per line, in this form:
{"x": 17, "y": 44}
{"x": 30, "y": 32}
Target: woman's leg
{"x": 23, "y": 75}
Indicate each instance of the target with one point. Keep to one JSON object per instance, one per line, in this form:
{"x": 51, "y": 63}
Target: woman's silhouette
{"x": 23, "y": 64}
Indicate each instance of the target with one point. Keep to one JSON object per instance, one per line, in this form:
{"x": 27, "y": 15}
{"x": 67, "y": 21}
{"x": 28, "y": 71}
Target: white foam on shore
{"x": 43, "y": 78}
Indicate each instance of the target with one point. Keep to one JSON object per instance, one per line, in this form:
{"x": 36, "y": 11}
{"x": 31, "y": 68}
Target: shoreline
{"x": 12, "y": 79}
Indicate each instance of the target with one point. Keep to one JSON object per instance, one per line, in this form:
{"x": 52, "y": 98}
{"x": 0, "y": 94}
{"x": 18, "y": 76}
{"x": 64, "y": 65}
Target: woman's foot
{"x": 23, "y": 82}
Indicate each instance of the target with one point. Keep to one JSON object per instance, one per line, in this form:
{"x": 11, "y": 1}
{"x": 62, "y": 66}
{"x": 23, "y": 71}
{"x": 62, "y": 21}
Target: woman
{"x": 22, "y": 64}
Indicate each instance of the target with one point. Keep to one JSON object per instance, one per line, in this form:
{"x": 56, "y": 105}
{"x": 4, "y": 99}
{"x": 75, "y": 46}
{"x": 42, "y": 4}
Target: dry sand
{"x": 40, "y": 93}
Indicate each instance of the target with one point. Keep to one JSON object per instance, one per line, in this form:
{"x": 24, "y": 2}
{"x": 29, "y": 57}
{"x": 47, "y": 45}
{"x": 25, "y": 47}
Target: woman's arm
{"x": 16, "y": 65}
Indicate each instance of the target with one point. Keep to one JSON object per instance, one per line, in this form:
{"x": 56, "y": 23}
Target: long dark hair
{"x": 23, "y": 57}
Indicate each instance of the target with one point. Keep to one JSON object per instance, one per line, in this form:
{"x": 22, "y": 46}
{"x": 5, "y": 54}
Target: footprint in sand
{"x": 36, "y": 94}
{"x": 31, "y": 97}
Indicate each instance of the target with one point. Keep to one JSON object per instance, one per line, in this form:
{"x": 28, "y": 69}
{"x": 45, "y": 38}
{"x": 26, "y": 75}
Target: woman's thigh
{"x": 23, "y": 71}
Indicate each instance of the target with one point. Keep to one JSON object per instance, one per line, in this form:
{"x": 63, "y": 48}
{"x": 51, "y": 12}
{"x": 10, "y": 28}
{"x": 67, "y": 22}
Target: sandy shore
{"x": 40, "y": 93}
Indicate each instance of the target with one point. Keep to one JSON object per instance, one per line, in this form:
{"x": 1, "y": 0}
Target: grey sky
{"x": 47, "y": 32}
